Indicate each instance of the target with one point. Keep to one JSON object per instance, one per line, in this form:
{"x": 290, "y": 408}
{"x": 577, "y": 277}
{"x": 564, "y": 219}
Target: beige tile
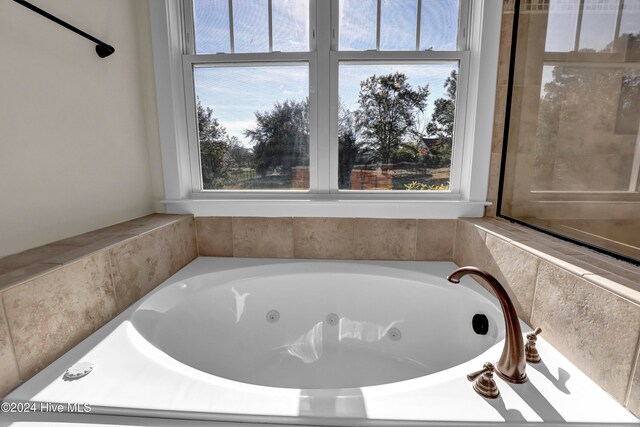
{"x": 491, "y": 210}
{"x": 504, "y": 55}
{"x": 516, "y": 270}
{"x": 88, "y": 249}
{"x": 508, "y": 6}
{"x": 499, "y": 114}
{"x": 611, "y": 266}
{"x": 597, "y": 330}
{"x": 133, "y": 227}
{"x": 142, "y": 263}
{"x": 39, "y": 255}
{"x": 469, "y": 248}
{"x": 17, "y": 267}
{"x": 9, "y": 375}
{"x": 23, "y": 274}
{"x": 502, "y": 229}
{"x": 215, "y": 236}
{"x": 324, "y": 238}
{"x": 621, "y": 286}
{"x": 435, "y": 239}
{"x": 184, "y": 236}
{"x": 633, "y": 402}
{"x": 262, "y": 237}
{"x": 49, "y": 315}
{"x": 494, "y": 179}
{"x": 390, "y": 239}
{"x": 550, "y": 253}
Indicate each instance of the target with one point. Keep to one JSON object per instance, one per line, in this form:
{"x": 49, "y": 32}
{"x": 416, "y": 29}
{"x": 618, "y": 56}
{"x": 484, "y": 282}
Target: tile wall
{"x": 54, "y": 296}
{"x": 326, "y": 238}
{"x": 587, "y": 304}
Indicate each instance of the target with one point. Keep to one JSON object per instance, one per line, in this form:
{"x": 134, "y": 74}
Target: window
{"x": 325, "y": 100}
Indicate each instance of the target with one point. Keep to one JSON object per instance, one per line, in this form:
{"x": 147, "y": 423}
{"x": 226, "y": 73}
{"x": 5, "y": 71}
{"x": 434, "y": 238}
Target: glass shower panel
{"x": 573, "y": 151}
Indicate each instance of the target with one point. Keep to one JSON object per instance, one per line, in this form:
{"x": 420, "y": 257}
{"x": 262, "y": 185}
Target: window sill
{"x": 273, "y": 207}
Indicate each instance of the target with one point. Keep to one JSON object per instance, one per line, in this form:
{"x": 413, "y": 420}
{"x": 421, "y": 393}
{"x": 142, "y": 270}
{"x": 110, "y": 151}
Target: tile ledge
{"x": 14, "y": 277}
{"x": 620, "y": 279}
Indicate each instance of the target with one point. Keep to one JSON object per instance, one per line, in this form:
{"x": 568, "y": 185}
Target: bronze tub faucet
{"x": 512, "y": 364}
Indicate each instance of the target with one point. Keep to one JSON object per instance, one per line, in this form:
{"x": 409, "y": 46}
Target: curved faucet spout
{"x": 512, "y": 364}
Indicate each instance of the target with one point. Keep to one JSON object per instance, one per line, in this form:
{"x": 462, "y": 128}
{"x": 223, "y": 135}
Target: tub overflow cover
{"x": 79, "y": 370}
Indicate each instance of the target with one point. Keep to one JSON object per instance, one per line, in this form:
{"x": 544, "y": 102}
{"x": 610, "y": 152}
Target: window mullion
{"x": 232, "y": 46}
{"x": 419, "y": 14}
{"x": 189, "y": 28}
{"x": 270, "y": 6}
{"x": 324, "y": 104}
{"x": 378, "y": 17}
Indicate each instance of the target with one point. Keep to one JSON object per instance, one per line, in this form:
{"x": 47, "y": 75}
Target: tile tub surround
{"x": 326, "y": 238}
{"x": 587, "y": 304}
{"x": 54, "y": 296}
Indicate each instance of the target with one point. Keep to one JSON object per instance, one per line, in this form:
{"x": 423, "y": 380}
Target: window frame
{"x": 173, "y": 46}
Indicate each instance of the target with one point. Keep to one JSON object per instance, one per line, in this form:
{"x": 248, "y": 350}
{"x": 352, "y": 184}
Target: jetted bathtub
{"x": 315, "y": 343}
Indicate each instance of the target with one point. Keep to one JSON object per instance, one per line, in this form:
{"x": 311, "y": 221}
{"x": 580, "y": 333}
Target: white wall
{"x": 79, "y": 143}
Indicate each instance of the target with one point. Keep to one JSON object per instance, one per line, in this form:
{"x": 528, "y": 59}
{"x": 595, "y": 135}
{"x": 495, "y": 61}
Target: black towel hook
{"x": 102, "y": 49}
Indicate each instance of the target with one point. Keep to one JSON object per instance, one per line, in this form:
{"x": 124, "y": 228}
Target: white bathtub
{"x": 312, "y": 342}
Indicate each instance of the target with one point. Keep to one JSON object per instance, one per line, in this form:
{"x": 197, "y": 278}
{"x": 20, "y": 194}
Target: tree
{"x": 281, "y": 137}
{"x": 388, "y": 112}
{"x": 238, "y": 156}
{"x": 348, "y": 147}
{"x": 213, "y": 146}
{"x": 441, "y": 125}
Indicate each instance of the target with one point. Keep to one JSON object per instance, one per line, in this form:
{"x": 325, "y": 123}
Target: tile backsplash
{"x": 326, "y": 238}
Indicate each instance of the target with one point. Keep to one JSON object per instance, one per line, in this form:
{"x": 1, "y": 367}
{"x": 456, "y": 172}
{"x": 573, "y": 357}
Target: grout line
{"x": 195, "y": 232}
{"x": 233, "y": 239}
{"x": 535, "y": 290}
{"x": 11, "y": 340}
{"x": 415, "y": 239}
{"x": 455, "y": 240}
{"x": 632, "y": 375}
{"x": 353, "y": 223}
{"x": 293, "y": 236}
{"x": 293, "y": 240}
{"x": 355, "y": 238}
{"x": 113, "y": 283}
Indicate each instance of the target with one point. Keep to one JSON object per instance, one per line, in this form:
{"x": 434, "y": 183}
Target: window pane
{"x": 630, "y": 22}
{"x": 253, "y": 127}
{"x": 211, "y": 21}
{"x": 395, "y": 126}
{"x": 251, "y": 25}
{"x": 398, "y": 20}
{"x": 561, "y": 25}
{"x": 598, "y": 25}
{"x": 290, "y": 25}
{"x": 439, "y": 25}
{"x": 358, "y": 24}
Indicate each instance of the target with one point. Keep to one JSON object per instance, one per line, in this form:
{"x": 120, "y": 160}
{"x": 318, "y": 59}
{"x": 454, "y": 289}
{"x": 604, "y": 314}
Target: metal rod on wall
{"x": 102, "y": 49}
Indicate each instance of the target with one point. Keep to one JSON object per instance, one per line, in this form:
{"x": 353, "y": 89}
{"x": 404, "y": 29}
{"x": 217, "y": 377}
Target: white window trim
{"x": 472, "y": 155}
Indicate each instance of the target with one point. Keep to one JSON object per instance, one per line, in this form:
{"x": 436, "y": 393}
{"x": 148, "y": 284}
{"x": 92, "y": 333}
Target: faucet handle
{"x": 485, "y": 385}
{"x": 530, "y": 350}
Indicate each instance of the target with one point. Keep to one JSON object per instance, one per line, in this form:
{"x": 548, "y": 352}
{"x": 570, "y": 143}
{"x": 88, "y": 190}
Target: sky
{"x": 235, "y": 93}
